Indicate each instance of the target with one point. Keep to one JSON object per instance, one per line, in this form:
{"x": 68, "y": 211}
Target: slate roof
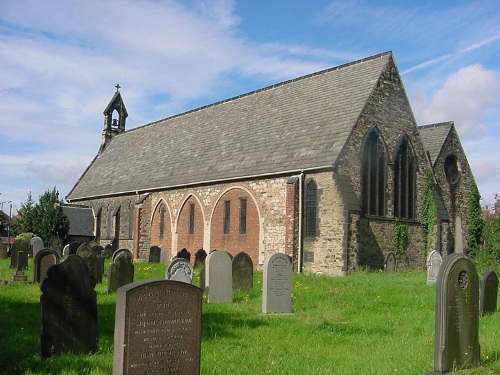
{"x": 433, "y": 137}
{"x": 81, "y": 220}
{"x": 297, "y": 125}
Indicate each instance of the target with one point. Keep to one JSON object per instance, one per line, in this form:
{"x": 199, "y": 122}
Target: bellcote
{"x": 115, "y": 116}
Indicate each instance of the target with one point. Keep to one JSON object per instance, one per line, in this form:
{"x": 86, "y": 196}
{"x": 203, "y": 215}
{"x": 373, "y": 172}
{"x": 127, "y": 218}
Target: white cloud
{"x": 464, "y": 98}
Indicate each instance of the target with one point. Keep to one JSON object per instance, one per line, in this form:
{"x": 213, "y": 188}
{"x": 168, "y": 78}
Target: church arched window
{"x": 161, "y": 223}
{"x": 131, "y": 220}
{"x": 311, "y": 208}
{"x": 404, "y": 181}
{"x": 373, "y": 177}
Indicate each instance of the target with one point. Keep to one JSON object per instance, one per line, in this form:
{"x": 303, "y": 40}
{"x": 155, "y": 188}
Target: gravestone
{"x": 98, "y": 250}
{"x": 390, "y": 263}
{"x": 68, "y": 309}
{"x": 19, "y": 276}
{"x": 181, "y": 270}
{"x": 163, "y": 255}
{"x": 44, "y": 259}
{"x": 84, "y": 250}
{"x": 108, "y": 251}
{"x": 36, "y": 244}
{"x": 218, "y": 278}
{"x": 184, "y": 254}
{"x": 157, "y": 328}
{"x": 489, "y": 293}
{"x": 242, "y": 271}
{"x": 277, "y": 285}
{"x": 19, "y": 246}
{"x": 66, "y": 250}
{"x": 199, "y": 258}
{"x": 3, "y": 250}
{"x": 95, "y": 265}
{"x": 57, "y": 244}
{"x": 434, "y": 261}
{"x": 154, "y": 254}
{"x": 456, "y": 336}
{"x": 459, "y": 246}
{"x": 121, "y": 271}
{"x": 73, "y": 247}
{"x": 202, "y": 278}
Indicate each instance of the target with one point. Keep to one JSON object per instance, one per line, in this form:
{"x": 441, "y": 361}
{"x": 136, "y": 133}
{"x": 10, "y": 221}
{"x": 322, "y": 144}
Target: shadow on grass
{"x": 226, "y": 324}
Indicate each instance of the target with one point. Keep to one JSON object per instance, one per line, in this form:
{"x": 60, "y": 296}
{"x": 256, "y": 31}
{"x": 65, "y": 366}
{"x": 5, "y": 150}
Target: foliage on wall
{"x": 476, "y": 222}
{"x": 399, "y": 238}
{"x": 429, "y": 212}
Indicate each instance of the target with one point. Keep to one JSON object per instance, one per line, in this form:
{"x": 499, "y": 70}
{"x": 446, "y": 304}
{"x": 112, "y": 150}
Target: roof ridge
{"x": 279, "y": 84}
{"x": 436, "y": 124}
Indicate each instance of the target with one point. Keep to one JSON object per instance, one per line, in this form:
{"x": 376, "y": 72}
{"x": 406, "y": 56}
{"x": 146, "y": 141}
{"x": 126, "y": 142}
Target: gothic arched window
{"x": 373, "y": 175}
{"x": 404, "y": 181}
{"x": 311, "y": 208}
{"x": 131, "y": 220}
{"x": 161, "y": 222}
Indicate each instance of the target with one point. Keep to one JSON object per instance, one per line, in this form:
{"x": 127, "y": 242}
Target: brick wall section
{"x": 191, "y": 242}
{"x": 164, "y": 239}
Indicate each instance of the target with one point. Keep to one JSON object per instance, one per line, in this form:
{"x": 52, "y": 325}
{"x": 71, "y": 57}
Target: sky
{"x": 60, "y": 61}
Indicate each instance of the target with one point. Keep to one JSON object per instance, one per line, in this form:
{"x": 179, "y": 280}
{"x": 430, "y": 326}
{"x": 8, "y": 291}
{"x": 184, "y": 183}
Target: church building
{"x": 323, "y": 168}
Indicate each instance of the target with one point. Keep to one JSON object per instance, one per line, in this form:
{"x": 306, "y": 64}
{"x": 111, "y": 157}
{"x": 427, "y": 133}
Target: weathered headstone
{"x": 489, "y": 293}
{"x": 65, "y": 252}
{"x": 43, "y": 260}
{"x": 68, "y": 309}
{"x": 3, "y": 250}
{"x": 36, "y": 244}
{"x": 57, "y": 244}
{"x": 218, "y": 278}
{"x": 199, "y": 258}
{"x": 98, "y": 250}
{"x": 121, "y": 271}
{"x": 277, "y": 285}
{"x": 19, "y": 246}
{"x": 184, "y": 254}
{"x": 181, "y": 270}
{"x": 19, "y": 276}
{"x": 456, "y": 336}
{"x": 108, "y": 251}
{"x": 95, "y": 265}
{"x": 242, "y": 271}
{"x": 157, "y": 328}
{"x": 434, "y": 261}
{"x": 459, "y": 246}
{"x": 202, "y": 278}
{"x": 154, "y": 254}
{"x": 73, "y": 247}
{"x": 390, "y": 263}
{"x": 84, "y": 250}
{"x": 163, "y": 255}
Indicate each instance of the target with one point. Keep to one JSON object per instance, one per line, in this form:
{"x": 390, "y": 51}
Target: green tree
{"x": 476, "y": 222}
{"x": 46, "y": 218}
{"x": 25, "y": 219}
{"x": 429, "y": 211}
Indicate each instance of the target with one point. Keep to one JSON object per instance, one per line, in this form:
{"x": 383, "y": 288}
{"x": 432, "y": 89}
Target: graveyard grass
{"x": 365, "y": 323}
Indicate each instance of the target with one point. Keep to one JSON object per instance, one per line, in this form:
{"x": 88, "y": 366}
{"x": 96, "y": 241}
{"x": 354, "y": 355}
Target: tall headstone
{"x": 121, "y": 270}
{"x": 3, "y": 250}
{"x": 434, "y": 261}
{"x": 43, "y": 260}
{"x": 242, "y": 271}
{"x": 157, "y": 328}
{"x": 459, "y": 246}
{"x": 202, "y": 278}
{"x": 199, "y": 258}
{"x": 36, "y": 244}
{"x": 68, "y": 309}
{"x": 163, "y": 255}
{"x": 154, "y": 254}
{"x": 489, "y": 293}
{"x": 456, "y": 336}
{"x": 390, "y": 263}
{"x": 277, "y": 285}
{"x": 19, "y": 246}
{"x": 57, "y": 244}
{"x": 95, "y": 265}
{"x": 181, "y": 270}
{"x": 218, "y": 278}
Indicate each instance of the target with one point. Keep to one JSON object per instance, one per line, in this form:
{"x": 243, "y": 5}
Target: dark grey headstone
{"x": 390, "y": 263}
{"x": 199, "y": 258}
{"x": 489, "y": 293}
{"x": 242, "y": 271}
{"x": 19, "y": 246}
{"x": 68, "y": 309}
{"x": 218, "y": 278}
{"x": 175, "y": 266}
{"x": 434, "y": 261}
{"x": 43, "y": 260}
{"x": 277, "y": 285}
{"x": 121, "y": 271}
{"x": 36, "y": 244}
{"x": 57, "y": 244}
{"x": 98, "y": 250}
{"x": 108, "y": 251}
{"x": 95, "y": 265}
{"x": 456, "y": 336}
{"x": 3, "y": 250}
{"x": 184, "y": 254}
{"x": 154, "y": 254}
{"x": 157, "y": 328}
{"x": 73, "y": 247}
{"x": 202, "y": 278}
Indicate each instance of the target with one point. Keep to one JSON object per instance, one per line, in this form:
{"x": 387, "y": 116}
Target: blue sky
{"x": 60, "y": 61}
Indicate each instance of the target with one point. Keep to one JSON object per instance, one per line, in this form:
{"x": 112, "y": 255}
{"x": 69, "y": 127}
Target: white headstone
{"x": 174, "y": 271}
{"x": 219, "y": 277}
{"x": 434, "y": 261}
{"x": 277, "y": 285}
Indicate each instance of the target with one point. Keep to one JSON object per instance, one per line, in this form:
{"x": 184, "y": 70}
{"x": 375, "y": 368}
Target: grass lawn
{"x": 365, "y": 323}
